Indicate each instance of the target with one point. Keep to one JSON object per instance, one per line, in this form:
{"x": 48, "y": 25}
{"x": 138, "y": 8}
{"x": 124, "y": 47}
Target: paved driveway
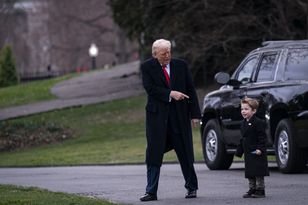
{"x": 98, "y": 86}
{"x": 124, "y": 184}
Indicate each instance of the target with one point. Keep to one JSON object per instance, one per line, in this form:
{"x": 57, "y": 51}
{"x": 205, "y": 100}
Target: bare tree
{"x": 213, "y": 35}
{"x": 55, "y": 35}
{"x": 74, "y": 25}
{"x": 6, "y": 13}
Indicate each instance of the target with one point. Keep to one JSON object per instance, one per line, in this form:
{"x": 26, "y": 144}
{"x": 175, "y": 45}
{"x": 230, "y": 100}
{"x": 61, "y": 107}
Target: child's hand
{"x": 258, "y": 152}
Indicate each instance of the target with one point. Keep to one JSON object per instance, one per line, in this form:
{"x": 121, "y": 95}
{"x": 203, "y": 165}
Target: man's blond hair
{"x": 160, "y": 43}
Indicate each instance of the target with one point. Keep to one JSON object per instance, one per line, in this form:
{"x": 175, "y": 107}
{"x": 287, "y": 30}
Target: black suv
{"x": 277, "y": 75}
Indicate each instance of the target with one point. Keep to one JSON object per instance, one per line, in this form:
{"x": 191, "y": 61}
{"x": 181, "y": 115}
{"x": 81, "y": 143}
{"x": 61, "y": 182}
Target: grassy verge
{"x": 28, "y": 92}
{"x": 112, "y": 132}
{"x": 20, "y": 196}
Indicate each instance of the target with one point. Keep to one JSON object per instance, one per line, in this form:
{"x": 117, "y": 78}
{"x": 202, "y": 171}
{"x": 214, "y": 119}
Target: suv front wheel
{"x": 290, "y": 158}
{"x": 214, "y": 151}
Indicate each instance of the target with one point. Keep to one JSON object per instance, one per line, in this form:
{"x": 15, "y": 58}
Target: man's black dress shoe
{"x": 149, "y": 197}
{"x": 191, "y": 194}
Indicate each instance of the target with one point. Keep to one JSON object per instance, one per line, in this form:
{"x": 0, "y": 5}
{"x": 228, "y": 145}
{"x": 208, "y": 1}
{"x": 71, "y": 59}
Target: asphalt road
{"x": 125, "y": 184}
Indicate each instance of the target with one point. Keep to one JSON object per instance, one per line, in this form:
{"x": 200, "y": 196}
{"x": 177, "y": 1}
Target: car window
{"x": 297, "y": 63}
{"x": 245, "y": 72}
{"x": 267, "y": 67}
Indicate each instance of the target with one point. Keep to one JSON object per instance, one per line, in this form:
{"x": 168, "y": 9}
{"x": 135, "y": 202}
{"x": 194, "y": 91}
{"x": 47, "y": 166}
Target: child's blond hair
{"x": 253, "y": 103}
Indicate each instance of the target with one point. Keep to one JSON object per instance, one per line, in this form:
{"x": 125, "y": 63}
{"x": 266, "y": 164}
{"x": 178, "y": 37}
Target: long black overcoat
{"x": 254, "y": 137}
{"x": 157, "y": 107}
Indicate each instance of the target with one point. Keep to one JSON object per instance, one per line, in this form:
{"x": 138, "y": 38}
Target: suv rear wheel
{"x": 214, "y": 151}
{"x": 289, "y": 157}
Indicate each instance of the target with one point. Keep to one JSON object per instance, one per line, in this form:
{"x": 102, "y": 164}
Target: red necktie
{"x": 166, "y": 75}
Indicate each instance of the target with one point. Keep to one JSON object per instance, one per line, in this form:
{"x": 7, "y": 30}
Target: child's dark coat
{"x": 253, "y": 137}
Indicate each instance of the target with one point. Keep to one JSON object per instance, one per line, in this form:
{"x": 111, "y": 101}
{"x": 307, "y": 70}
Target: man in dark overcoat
{"x": 172, "y": 106}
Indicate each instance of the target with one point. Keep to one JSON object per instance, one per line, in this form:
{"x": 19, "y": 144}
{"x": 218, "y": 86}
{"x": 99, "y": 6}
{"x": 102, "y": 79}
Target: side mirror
{"x": 222, "y": 78}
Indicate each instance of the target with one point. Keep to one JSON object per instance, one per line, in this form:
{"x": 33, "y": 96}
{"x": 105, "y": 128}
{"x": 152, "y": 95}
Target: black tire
{"x": 290, "y": 158}
{"x": 214, "y": 152}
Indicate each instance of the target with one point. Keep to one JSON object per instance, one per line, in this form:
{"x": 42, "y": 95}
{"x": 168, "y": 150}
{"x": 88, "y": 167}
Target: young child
{"x": 253, "y": 146}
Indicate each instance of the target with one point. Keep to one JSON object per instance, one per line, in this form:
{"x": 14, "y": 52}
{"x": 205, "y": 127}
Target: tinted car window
{"x": 267, "y": 68}
{"x": 245, "y": 73}
{"x": 297, "y": 64}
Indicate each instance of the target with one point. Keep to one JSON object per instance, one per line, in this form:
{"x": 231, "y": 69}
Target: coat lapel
{"x": 161, "y": 72}
{"x": 172, "y": 74}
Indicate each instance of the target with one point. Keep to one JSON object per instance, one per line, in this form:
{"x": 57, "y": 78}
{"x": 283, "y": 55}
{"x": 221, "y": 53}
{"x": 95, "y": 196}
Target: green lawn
{"x": 14, "y": 195}
{"x": 29, "y": 92}
{"x": 112, "y": 132}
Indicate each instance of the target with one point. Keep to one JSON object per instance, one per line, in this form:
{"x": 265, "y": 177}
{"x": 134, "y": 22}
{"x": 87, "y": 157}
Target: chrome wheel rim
{"x": 283, "y": 147}
{"x": 211, "y": 145}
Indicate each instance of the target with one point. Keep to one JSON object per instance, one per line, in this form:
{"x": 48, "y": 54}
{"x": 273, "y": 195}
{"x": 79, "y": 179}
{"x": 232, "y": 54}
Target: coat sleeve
{"x": 261, "y": 143}
{"x": 239, "y": 150}
{"x": 193, "y": 98}
{"x": 152, "y": 89}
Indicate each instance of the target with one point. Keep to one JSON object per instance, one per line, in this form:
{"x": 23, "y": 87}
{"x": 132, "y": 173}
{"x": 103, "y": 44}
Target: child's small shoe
{"x": 249, "y": 193}
{"x": 259, "y": 194}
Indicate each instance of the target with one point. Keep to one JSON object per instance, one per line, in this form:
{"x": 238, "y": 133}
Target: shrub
{"x": 8, "y": 73}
